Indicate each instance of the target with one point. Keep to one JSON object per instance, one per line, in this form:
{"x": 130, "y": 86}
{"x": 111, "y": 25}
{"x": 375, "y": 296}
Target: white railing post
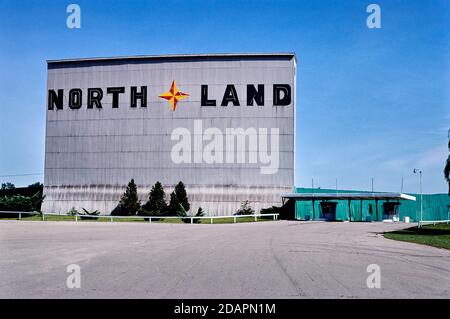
{"x": 211, "y": 218}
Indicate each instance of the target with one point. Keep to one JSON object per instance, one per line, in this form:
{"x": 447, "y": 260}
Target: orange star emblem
{"x": 173, "y": 95}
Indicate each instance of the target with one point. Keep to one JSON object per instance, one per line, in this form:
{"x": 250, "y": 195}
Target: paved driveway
{"x": 256, "y": 260}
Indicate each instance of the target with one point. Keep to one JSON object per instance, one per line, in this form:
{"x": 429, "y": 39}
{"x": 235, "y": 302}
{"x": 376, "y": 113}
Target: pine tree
{"x": 174, "y": 204}
{"x": 180, "y": 191}
{"x": 156, "y": 204}
{"x": 129, "y": 203}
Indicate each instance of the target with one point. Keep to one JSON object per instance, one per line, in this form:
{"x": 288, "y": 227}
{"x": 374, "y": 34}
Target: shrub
{"x": 200, "y": 213}
{"x": 93, "y": 213}
{"x": 22, "y": 203}
{"x": 245, "y": 209}
{"x": 271, "y": 210}
{"x": 181, "y": 212}
{"x": 143, "y": 212}
{"x": 72, "y": 212}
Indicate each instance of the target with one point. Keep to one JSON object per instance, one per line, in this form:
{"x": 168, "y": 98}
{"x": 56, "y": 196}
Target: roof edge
{"x": 173, "y": 56}
{"x": 344, "y": 195}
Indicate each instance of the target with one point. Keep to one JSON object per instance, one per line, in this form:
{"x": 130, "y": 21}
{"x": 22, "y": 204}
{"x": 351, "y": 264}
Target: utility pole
{"x": 401, "y": 187}
{"x": 415, "y": 171}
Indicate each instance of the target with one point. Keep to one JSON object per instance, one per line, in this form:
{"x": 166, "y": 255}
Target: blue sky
{"x": 371, "y": 102}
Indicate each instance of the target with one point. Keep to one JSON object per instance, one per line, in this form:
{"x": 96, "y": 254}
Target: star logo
{"x": 173, "y": 95}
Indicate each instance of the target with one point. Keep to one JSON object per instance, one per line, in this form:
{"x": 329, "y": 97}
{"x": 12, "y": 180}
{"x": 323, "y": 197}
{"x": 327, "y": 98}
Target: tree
{"x": 447, "y": 165}
{"x": 22, "y": 203}
{"x": 36, "y": 185}
{"x": 129, "y": 203}
{"x": 178, "y": 196}
{"x": 37, "y": 200}
{"x": 180, "y": 191}
{"x": 8, "y": 185}
{"x": 174, "y": 204}
{"x": 156, "y": 204}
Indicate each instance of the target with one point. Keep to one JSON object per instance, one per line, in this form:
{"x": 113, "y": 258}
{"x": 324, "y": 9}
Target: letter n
{"x": 256, "y": 95}
{"x": 55, "y": 99}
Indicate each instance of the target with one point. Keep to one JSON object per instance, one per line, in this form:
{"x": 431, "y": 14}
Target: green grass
{"x": 39, "y": 218}
{"x": 120, "y": 220}
{"x": 432, "y": 235}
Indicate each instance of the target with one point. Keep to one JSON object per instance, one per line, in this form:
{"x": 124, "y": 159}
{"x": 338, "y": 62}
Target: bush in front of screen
{"x": 156, "y": 204}
{"x": 245, "y": 209}
{"x": 177, "y": 197}
{"x": 73, "y": 212}
{"x": 186, "y": 218}
{"x": 90, "y": 214}
{"x": 129, "y": 203}
{"x": 270, "y": 210}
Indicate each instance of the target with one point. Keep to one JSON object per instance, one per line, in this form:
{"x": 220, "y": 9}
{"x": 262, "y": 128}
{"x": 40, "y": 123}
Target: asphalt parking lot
{"x": 282, "y": 259}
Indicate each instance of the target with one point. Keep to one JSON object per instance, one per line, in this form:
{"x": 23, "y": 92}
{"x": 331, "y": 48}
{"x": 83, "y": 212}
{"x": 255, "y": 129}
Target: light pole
{"x": 415, "y": 171}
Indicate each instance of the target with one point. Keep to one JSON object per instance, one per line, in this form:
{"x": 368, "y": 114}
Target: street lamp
{"x": 415, "y": 171}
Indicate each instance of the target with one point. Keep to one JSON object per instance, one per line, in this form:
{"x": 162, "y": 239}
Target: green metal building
{"x": 367, "y": 206}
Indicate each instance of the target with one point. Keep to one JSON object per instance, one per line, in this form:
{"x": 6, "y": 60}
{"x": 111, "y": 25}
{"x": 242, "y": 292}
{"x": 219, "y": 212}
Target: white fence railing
{"x": 145, "y": 218}
{"x": 434, "y": 222}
